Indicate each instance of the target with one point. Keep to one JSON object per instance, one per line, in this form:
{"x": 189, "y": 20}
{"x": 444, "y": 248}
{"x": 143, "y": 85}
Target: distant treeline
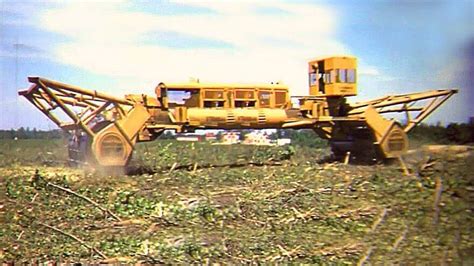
{"x": 452, "y": 134}
{"x": 436, "y": 134}
{"x": 28, "y": 133}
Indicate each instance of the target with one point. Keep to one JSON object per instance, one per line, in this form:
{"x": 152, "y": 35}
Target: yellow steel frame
{"x": 141, "y": 118}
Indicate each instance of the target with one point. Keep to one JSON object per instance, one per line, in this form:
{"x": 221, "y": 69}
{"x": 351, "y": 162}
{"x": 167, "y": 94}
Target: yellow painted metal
{"x": 198, "y": 85}
{"x": 134, "y": 120}
{"x": 406, "y": 103}
{"x": 333, "y": 76}
{"x": 113, "y": 145}
{"x": 114, "y": 124}
{"x": 389, "y": 135}
{"x": 80, "y": 91}
{"x": 299, "y": 123}
{"x": 236, "y": 117}
{"x": 110, "y": 147}
{"x": 232, "y": 95}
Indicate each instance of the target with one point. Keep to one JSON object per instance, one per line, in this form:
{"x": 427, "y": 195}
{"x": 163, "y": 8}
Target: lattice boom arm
{"x": 424, "y": 103}
{"x": 79, "y": 106}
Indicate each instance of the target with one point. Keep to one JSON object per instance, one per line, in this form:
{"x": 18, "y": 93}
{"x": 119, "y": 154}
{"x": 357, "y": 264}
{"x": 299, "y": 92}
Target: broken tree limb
{"x": 366, "y": 257}
{"x": 403, "y": 166}
{"x": 172, "y": 167}
{"x": 399, "y": 239}
{"x": 67, "y": 190}
{"x": 80, "y": 241}
{"x": 437, "y": 199}
{"x": 347, "y": 157}
{"x": 34, "y": 197}
{"x": 195, "y": 168}
{"x": 252, "y": 220}
{"x": 20, "y": 235}
{"x": 379, "y": 220}
{"x": 240, "y": 259}
{"x": 284, "y": 254}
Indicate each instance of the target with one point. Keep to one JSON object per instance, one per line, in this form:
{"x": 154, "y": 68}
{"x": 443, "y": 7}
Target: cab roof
{"x": 198, "y": 86}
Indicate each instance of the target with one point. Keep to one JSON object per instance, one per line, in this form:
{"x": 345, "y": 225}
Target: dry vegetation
{"x": 198, "y": 203}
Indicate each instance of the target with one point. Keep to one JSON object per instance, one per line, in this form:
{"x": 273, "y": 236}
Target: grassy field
{"x": 202, "y": 203}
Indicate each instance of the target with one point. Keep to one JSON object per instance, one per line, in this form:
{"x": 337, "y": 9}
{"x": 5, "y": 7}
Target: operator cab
{"x": 333, "y": 76}
{"x": 222, "y": 96}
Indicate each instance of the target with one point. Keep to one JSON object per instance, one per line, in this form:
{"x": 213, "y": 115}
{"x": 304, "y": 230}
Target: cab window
{"x": 213, "y": 98}
{"x": 280, "y": 98}
{"x": 313, "y": 79}
{"x": 244, "y": 98}
{"x": 341, "y": 76}
{"x": 264, "y": 98}
{"x": 346, "y": 75}
{"x": 351, "y": 76}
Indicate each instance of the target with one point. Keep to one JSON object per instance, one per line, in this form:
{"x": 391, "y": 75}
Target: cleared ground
{"x": 200, "y": 203}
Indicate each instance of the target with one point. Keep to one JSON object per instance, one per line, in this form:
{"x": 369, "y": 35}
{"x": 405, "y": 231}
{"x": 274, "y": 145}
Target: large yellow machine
{"x": 105, "y": 128}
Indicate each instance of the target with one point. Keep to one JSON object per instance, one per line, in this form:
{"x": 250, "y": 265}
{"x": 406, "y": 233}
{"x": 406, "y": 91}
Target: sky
{"x": 122, "y": 47}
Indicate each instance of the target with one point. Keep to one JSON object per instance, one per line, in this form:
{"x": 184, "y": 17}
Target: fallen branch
{"x": 379, "y": 220}
{"x": 429, "y": 162}
{"x": 34, "y": 197}
{"x": 299, "y": 216}
{"x": 437, "y": 199}
{"x": 20, "y": 235}
{"x": 80, "y": 241}
{"x": 252, "y": 220}
{"x": 190, "y": 167}
{"x": 353, "y": 213}
{"x": 67, "y": 190}
{"x": 241, "y": 259}
{"x": 230, "y": 190}
{"x": 172, "y": 168}
{"x": 147, "y": 259}
{"x": 290, "y": 253}
{"x": 403, "y": 166}
{"x": 283, "y": 254}
{"x": 399, "y": 239}
{"x": 347, "y": 157}
{"x": 366, "y": 258}
{"x": 347, "y": 249}
{"x": 130, "y": 222}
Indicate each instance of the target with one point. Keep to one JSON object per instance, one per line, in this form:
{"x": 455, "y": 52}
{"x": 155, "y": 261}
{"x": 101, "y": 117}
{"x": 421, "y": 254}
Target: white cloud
{"x": 107, "y": 39}
{"x": 368, "y": 70}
